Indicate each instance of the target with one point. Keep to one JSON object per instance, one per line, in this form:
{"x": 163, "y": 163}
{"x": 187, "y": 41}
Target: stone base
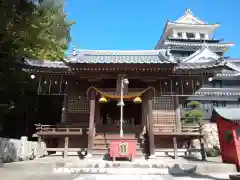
{"x": 1, "y": 164}
{"x": 152, "y": 156}
{"x": 88, "y": 156}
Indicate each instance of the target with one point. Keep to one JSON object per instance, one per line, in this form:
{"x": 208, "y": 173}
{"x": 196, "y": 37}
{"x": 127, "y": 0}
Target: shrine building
{"x": 103, "y": 95}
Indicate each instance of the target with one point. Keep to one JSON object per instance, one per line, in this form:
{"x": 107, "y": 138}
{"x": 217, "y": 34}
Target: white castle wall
{"x": 210, "y": 133}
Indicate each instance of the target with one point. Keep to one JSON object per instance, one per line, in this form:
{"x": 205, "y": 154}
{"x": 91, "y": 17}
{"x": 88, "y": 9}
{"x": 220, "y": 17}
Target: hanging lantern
{"x": 137, "y": 100}
{"x": 103, "y": 100}
{"x": 120, "y": 103}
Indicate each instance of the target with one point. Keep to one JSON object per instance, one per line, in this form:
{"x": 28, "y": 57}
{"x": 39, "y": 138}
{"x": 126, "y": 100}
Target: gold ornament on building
{"x": 133, "y": 95}
{"x": 103, "y": 100}
{"x": 137, "y": 100}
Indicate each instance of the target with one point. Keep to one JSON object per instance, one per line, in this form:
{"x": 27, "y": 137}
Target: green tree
{"x": 49, "y": 30}
{"x": 33, "y": 30}
{"x": 46, "y": 34}
{"x": 194, "y": 114}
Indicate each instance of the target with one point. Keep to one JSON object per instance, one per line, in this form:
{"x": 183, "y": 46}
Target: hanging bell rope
{"x": 131, "y": 95}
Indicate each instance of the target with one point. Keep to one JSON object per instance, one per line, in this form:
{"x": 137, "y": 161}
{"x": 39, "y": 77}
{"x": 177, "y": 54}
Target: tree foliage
{"x": 49, "y": 30}
{"x": 38, "y": 30}
{"x": 194, "y": 113}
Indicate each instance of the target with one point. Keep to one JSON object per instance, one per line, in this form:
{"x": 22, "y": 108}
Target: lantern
{"x": 120, "y": 103}
{"x": 103, "y": 100}
{"x": 137, "y": 100}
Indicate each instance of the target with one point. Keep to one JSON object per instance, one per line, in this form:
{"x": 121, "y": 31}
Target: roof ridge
{"x": 195, "y": 18}
{"x": 115, "y": 50}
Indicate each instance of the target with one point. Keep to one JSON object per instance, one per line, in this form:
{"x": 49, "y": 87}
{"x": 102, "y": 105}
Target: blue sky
{"x": 138, "y": 24}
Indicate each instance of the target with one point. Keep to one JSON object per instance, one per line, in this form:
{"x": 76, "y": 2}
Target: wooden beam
{"x": 42, "y": 133}
{"x": 91, "y": 123}
{"x": 175, "y": 146}
{"x": 66, "y": 142}
{"x": 150, "y": 127}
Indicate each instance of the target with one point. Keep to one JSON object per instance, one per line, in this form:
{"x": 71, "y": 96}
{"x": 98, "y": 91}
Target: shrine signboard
{"x": 123, "y": 148}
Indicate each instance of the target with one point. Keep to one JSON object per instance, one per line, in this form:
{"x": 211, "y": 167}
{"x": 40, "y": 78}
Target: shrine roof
{"x": 231, "y": 114}
{"x": 203, "y": 59}
{"x": 203, "y": 65}
{"x": 45, "y": 63}
{"x": 118, "y": 56}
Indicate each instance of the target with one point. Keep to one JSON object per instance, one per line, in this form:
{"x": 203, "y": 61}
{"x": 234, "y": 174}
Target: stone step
{"x": 139, "y": 152}
{"x": 99, "y": 151}
{"x": 95, "y": 148}
{"x": 107, "y": 144}
{"x": 114, "y": 136}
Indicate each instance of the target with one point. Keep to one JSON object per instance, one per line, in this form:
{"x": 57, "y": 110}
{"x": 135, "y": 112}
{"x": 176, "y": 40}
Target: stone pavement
{"x": 16, "y": 175}
{"x": 154, "y": 177}
{"x": 42, "y": 169}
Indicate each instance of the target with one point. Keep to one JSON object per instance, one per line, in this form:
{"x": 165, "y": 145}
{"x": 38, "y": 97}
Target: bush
{"x": 194, "y": 114}
{"x": 193, "y": 104}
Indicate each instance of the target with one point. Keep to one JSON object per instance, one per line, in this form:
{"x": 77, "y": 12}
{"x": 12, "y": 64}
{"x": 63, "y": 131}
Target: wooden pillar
{"x": 66, "y": 142}
{"x": 150, "y": 126}
{"x": 91, "y": 123}
{"x": 175, "y": 147}
{"x": 64, "y": 114}
{"x": 64, "y": 109}
{"x": 178, "y": 114}
{"x": 144, "y": 119}
{"x": 97, "y": 113}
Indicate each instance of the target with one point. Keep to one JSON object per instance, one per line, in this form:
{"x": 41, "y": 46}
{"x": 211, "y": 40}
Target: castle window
{"x": 202, "y": 35}
{"x": 190, "y": 35}
{"x": 179, "y": 34}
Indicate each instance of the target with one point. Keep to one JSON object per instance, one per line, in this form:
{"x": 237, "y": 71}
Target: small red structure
{"x": 228, "y": 123}
{"x": 123, "y": 148}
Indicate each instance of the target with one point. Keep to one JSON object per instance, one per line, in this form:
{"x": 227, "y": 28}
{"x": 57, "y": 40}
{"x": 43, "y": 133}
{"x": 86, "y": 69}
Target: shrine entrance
{"x": 110, "y": 118}
{"x": 110, "y": 113}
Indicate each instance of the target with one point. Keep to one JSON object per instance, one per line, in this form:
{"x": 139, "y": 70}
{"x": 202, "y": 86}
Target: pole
{"x": 121, "y": 109}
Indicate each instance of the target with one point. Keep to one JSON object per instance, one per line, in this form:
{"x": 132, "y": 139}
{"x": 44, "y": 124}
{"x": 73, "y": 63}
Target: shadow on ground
{"x": 177, "y": 171}
{"x": 197, "y": 176}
